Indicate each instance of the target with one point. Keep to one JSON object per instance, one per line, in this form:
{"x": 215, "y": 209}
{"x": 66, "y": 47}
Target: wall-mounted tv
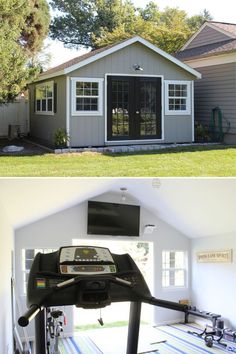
{"x": 113, "y": 219}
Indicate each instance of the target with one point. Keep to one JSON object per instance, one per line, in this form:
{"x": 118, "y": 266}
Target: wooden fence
{"x": 14, "y": 115}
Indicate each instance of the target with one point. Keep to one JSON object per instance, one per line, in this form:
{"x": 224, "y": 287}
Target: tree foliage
{"x": 101, "y": 22}
{"x": 24, "y": 26}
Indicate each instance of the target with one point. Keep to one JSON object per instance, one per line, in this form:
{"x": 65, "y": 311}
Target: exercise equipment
{"x": 215, "y": 334}
{"x": 54, "y": 327}
{"x": 88, "y": 277}
{"x": 211, "y": 334}
{"x": 192, "y": 310}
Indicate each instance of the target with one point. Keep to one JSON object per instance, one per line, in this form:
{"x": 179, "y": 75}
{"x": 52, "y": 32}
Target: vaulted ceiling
{"x": 197, "y": 207}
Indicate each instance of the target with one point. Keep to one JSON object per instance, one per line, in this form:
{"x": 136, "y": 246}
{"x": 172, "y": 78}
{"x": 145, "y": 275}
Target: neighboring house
{"x": 127, "y": 93}
{"x": 212, "y": 51}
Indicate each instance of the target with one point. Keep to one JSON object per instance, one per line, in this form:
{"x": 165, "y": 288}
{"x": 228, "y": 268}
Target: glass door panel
{"x": 120, "y": 108}
{"x": 133, "y": 108}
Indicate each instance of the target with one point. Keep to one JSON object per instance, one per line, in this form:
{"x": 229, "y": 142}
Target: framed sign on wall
{"x": 218, "y": 256}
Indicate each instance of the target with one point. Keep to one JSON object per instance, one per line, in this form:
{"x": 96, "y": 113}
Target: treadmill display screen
{"x": 85, "y": 253}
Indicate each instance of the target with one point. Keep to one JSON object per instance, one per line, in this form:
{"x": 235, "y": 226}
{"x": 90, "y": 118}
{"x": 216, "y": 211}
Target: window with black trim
{"x": 44, "y": 98}
{"x": 86, "y": 96}
{"x": 177, "y": 94}
{"x": 174, "y": 269}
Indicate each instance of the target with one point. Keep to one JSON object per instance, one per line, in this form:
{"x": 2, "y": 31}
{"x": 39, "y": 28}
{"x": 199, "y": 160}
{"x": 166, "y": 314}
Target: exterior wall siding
{"x": 90, "y": 130}
{"x": 207, "y": 36}
{"x": 43, "y": 127}
{"x": 178, "y": 129}
{"x": 217, "y": 88}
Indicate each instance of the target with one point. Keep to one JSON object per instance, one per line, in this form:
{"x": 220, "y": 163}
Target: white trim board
{"x": 68, "y": 103}
{"x": 114, "y": 49}
{"x": 193, "y": 113}
{"x": 212, "y": 60}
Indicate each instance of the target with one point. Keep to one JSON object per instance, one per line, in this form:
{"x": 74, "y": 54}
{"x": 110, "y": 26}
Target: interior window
{"x": 174, "y": 269}
{"x": 27, "y": 261}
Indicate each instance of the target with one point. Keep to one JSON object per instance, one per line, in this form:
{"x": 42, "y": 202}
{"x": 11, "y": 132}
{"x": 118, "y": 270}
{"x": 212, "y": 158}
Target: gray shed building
{"x": 212, "y": 51}
{"x": 128, "y": 93}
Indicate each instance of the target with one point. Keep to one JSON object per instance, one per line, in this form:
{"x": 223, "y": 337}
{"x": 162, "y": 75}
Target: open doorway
{"x": 117, "y": 314}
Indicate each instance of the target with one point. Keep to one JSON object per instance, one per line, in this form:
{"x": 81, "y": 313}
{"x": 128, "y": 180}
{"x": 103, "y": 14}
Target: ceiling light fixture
{"x": 156, "y": 183}
{"x": 123, "y": 193}
{"x": 149, "y": 228}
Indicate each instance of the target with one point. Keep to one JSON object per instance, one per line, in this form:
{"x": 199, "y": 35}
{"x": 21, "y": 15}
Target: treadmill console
{"x": 86, "y": 260}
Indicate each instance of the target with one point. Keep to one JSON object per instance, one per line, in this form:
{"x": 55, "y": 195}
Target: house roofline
{"x": 211, "y": 25}
{"x": 210, "y": 60}
{"x": 116, "y": 48}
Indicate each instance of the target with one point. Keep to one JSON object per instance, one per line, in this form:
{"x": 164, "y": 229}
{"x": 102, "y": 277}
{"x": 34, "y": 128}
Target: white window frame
{"x": 185, "y": 269}
{"x": 74, "y": 112}
{"x": 25, "y": 270}
{"x": 40, "y": 112}
{"x": 187, "y": 111}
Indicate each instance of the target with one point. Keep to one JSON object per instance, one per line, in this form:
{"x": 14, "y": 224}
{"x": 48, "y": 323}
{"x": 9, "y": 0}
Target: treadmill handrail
{"x": 34, "y": 309}
{"x": 25, "y": 319}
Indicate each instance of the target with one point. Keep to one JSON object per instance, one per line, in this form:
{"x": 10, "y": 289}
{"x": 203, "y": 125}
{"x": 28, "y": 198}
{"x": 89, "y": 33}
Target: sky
{"x": 220, "y": 11}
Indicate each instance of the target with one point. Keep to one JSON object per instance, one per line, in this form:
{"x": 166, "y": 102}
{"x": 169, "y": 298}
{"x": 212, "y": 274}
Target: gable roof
{"x": 94, "y": 55}
{"x": 228, "y": 29}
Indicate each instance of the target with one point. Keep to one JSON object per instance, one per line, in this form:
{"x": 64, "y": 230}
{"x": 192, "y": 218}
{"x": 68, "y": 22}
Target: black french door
{"x": 133, "y": 108}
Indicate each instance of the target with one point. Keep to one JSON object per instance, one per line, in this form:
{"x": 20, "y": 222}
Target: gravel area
{"x": 29, "y": 148}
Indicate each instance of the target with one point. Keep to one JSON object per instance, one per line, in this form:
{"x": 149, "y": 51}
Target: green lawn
{"x": 216, "y": 160}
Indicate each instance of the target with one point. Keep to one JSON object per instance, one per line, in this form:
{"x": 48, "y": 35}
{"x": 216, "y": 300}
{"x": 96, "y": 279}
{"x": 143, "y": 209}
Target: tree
{"x": 24, "y": 25}
{"x": 36, "y": 26}
{"x": 102, "y": 22}
{"x": 196, "y": 21}
{"x": 82, "y": 22}
{"x": 168, "y": 29}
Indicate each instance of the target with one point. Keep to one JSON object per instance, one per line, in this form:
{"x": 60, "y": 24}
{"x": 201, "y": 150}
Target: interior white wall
{"x": 61, "y": 228}
{"x": 6, "y": 242}
{"x": 213, "y": 284}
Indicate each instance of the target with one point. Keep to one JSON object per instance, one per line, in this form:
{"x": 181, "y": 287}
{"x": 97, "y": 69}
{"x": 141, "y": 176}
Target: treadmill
{"x": 89, "y": 277}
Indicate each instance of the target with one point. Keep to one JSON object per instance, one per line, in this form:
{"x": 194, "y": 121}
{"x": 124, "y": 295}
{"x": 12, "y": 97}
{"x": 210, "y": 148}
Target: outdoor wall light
{"x": 137, "y": 67}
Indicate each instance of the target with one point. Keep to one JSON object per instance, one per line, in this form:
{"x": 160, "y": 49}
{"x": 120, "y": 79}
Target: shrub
{"x": 202, "y": 133}
{"x": 61, "y": 138}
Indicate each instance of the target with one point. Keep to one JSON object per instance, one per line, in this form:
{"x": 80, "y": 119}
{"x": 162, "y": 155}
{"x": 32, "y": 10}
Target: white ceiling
{"x": 197, "y": 207}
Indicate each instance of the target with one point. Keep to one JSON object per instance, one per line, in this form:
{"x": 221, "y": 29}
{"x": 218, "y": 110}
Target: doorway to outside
{"x": 133, "y": 108}
{"x": 117, "y": 314}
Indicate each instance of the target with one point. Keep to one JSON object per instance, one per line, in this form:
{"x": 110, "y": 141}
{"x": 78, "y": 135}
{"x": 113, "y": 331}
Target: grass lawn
{"x": 212, "y": 160}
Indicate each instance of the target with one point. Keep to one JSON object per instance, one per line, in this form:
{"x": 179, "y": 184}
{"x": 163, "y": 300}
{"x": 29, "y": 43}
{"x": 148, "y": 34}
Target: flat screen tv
{"x": 113, "y": 219}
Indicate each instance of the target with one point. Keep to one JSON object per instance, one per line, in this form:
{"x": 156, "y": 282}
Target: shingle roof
{"x": 227, "y": 27}
{"x": 208, "y": 50}
{"x": 76, "y": 60}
